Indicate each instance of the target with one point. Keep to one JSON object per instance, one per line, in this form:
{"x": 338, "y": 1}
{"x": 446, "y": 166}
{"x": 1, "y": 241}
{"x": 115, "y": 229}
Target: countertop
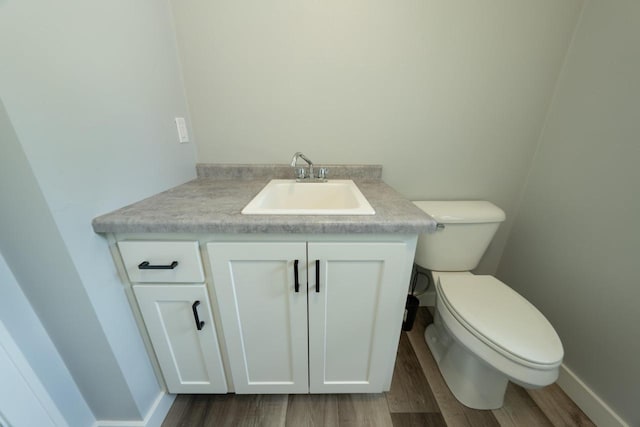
{"x": 210, "y": 204}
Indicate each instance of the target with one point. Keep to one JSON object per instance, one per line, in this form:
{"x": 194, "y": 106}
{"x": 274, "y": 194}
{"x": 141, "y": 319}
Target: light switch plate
{"x": 183, "y": 134}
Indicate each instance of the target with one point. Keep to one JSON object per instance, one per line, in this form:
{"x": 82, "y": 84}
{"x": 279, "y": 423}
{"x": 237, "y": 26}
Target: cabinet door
{"x": 263, "y": 317}
{"x": 189, "y": 358}
{"x": 355, "y": 314}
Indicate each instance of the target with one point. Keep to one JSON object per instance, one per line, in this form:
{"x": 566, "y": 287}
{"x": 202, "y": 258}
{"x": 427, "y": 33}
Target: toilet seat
{"x": 501, "y": 318}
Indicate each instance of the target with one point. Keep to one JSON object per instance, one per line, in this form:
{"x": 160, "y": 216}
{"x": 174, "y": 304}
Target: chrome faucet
{"x": 300, "y": 173}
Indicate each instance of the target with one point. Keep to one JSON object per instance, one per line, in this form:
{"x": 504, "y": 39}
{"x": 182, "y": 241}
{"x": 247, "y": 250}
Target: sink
{"x": 289, "y": 197}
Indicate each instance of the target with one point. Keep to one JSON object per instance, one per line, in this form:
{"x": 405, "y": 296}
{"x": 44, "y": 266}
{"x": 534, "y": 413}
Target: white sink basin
{"x": 288, "y": 197}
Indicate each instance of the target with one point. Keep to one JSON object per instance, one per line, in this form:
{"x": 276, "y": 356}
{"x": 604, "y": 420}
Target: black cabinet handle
{"x": 295, "y": 276}
{"x": 317, "y": 275}
{"x": 199, "y": 323}
{"x": 144, "y": 265}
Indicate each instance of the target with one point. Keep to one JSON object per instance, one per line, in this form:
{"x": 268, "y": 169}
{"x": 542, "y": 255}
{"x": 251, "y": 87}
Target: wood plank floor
{"x": 418, "y": 397}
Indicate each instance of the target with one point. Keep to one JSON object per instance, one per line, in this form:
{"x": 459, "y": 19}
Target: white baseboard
{"x": 595, "y": 408}
{"x": 154, "y": 417}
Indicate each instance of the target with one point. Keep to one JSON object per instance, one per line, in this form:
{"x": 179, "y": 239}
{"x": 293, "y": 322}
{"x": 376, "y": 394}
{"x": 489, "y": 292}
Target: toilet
{"x": 484, "y": 333}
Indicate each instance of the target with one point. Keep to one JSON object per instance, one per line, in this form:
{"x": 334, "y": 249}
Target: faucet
{"x": 294, "y": 161}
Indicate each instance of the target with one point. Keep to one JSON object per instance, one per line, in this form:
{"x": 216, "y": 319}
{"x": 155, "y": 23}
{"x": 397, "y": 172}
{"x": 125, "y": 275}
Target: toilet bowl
{"x": 484, "y": 333}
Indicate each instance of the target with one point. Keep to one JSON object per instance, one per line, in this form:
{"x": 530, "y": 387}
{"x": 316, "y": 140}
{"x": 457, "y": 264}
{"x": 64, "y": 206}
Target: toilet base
{"x": 473, "y": 382}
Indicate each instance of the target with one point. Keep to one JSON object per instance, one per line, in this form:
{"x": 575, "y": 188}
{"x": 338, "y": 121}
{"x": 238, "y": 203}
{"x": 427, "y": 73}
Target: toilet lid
{"x": 500, "y": 317}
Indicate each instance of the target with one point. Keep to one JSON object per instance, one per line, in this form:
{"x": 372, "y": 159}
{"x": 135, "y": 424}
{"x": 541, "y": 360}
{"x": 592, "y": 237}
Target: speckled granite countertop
{"x": 212, "y": 204}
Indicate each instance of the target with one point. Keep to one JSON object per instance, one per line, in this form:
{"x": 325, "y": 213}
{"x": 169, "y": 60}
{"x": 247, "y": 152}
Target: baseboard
{"x": 154, "y": 417}
{"x": 595, "y": 408}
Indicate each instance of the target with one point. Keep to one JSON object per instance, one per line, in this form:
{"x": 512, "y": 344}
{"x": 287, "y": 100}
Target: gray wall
{"x": 575, "y": 245}
{"x": 36, "y": 254}
{"x": 449, "y": 96}
{"x": 91, "y": 90}
{"x": 17, "y": 315}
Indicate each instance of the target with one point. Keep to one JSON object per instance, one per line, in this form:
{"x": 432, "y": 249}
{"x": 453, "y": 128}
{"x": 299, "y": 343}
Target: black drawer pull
{"x": 317, "y": 275}
{"x": 144, "y": 265}
{"x": 199, "y": 323}
{"x": 295, "y": 276}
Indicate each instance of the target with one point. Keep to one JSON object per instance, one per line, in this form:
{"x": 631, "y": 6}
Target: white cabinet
{"x": 282, "y": 314}
{"x": 180, "y": 324}
{"x": 354, "y": 321}
{"x": 264, "y": 318}
{"x": 174, "y": 308}
{"x": 337, "y": 332}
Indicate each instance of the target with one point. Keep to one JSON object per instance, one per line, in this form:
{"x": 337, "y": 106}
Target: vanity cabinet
{"x": 311, "y": 316}
{"x": 268, "y": 314}
{"x": 176, "y": 313}
{"x": 333, "y": 327}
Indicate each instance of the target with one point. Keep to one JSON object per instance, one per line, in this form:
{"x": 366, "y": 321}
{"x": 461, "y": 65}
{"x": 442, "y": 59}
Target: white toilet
{"x": 484, "y": 333}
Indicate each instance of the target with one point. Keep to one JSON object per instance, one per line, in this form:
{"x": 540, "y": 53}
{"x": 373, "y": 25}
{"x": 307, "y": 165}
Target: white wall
{"x": 91, "y": 89}
{"x": 575, "y": 245}
{"x": 449, "y": 96}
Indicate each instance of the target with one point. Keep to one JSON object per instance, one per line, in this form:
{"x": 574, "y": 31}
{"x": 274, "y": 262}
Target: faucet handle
{"x": 322, "y": 173}
{"x": 300, "y": 173}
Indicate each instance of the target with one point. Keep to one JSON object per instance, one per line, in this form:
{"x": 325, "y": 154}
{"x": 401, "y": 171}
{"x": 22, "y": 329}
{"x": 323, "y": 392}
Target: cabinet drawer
{"x": 162, "y": 262}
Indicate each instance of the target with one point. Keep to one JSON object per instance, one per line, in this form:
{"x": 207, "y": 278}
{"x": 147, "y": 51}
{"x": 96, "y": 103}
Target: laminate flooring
{"x": 418, "y": 397}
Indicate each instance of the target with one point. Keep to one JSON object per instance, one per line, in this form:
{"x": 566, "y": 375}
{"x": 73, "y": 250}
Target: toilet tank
{"x": 466, "y": 230}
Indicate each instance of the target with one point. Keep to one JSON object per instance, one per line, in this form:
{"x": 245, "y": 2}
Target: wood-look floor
{"x": 418, "y": 397}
